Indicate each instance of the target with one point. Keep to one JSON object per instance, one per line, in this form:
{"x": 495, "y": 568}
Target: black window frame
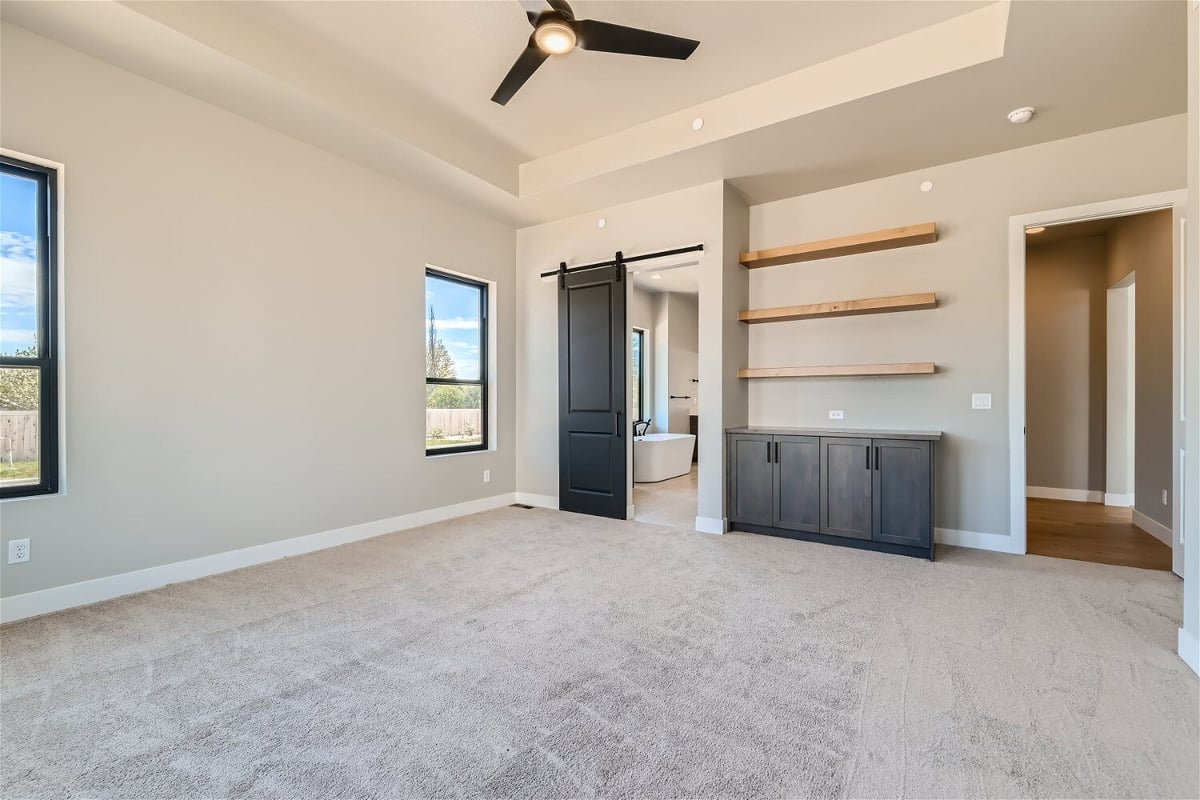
{"x": 482, "y": 382}
{"x": 640, "y": 333}
{"x": 46, "y": 361}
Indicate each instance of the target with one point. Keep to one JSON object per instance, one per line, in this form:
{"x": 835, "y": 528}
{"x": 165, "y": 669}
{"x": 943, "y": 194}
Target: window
{"x": 28, "y": 329}
{"x": 636, "y": 349}
{"x": 456, "y": 409}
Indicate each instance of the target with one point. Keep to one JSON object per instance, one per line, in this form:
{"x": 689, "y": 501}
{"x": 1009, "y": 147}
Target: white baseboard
{"x": 32, "y": 604}
{"x": 1076, "y": 495}
{"x": 1153, "y": 527}
{"x": 1189, "y": 650}
{"x": 1119, "y": 500}
{"x": 540, "y": 500}
{"x": 711, "y": 524}
{"x": 996, "y": 542}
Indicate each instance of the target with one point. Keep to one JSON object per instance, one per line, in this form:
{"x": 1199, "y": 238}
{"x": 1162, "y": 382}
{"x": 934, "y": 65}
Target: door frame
{"x": 1122, "y": 207}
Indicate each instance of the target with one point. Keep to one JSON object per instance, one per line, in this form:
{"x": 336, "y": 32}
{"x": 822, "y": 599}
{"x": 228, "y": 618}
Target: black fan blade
{"x": 609, "y": 38}
{"x": 562, "y": 7}
{"x": 525, "y": 65}
{"x": 534, "y": 8}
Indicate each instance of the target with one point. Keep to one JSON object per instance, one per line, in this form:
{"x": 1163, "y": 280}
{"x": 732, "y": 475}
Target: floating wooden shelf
{"x": 844, "y": 371}
{"x": 841, "y": 308}
{"x": 904, "y": 236}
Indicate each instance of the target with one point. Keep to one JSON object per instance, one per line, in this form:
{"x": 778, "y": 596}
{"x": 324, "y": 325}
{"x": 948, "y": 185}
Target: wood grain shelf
{"x": 904, "y": 236}
{"x": 841, "y": 308}
{"x": 843, "y": 371}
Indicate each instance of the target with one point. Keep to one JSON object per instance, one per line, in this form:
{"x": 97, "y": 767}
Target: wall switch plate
{"x": 1165, "y": 501}
{"x": 487, "y": 476}
{"x": 981, "y": 401}
{"x": 836, "y": 414}
{"x": 18, "y": 551}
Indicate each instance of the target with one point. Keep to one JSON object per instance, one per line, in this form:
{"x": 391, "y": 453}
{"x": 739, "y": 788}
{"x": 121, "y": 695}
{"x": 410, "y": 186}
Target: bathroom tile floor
{"x": 671, "y": 502}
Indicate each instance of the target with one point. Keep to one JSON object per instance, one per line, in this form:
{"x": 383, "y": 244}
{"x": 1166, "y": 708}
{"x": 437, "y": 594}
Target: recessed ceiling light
{"x": 656, "y": 277}
{"x": 1035, "y": 229}
{"x": 555, "y": 37}
{"x": 697, "y": 123}
{"x": 1019, "y": 116}
{"x": 600, "y": 223}
{"x": 926, "y": 186}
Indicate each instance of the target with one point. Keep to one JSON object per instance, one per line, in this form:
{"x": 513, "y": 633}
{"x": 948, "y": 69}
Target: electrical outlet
{"x": 836, "y": 414}
{"x": 487, "y": 476}
{"x": 1165, "y": 497}
{"x": 981, "y": 402}
{"x": 18, "y": 551}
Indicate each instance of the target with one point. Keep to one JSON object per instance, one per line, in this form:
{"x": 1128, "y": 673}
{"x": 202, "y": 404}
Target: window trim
{"x": 47, "y": 361}
{"x": 641, "y": 373}
{"x": 484, "y": 372}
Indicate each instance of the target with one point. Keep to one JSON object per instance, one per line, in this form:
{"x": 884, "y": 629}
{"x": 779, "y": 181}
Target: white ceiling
{"x": 457, "y": 52}
{"x": 797, "y": 96}
{"x": 676, "y": 279}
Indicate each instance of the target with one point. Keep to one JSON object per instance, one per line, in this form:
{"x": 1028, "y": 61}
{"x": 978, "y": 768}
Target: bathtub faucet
{"x": 645, "y": 426}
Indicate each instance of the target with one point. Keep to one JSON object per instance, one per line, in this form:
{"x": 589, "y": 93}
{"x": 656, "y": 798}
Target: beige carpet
{"x": 539, "y": 654}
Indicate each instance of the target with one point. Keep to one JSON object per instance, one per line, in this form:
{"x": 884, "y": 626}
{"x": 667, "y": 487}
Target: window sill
{"x": 484, "y": 451}
{"x": 38, "y": 496}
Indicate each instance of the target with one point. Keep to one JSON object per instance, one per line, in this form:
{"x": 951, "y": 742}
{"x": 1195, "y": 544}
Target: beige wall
{"x": 1065, "y": 370}
{"x": 244, "y": 324}
{"x": 683, "y": 354}
{"x": 1143, "y": 244}
{"x": 968, "y": 335}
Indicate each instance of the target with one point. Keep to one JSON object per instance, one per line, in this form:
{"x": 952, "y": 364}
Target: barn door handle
{"x": 617, "y": 418}
{"x": 876, "y": 458}
{"x": 868, "y": 456}
{"x": 768, "y": 452}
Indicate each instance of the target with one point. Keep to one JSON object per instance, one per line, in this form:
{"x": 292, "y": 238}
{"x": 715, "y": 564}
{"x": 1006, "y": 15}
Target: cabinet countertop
{"x": 863, "y": 433}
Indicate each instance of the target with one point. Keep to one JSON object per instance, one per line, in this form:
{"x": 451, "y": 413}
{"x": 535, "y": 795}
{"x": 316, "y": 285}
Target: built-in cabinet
{"x": 868, "y": 489}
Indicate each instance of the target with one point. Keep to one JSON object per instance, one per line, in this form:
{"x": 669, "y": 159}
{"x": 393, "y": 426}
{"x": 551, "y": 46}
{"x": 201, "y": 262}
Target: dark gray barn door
{"x": 591, "y": 394}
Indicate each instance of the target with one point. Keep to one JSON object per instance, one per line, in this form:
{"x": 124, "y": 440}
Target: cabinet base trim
{"x": 839, "y": 541}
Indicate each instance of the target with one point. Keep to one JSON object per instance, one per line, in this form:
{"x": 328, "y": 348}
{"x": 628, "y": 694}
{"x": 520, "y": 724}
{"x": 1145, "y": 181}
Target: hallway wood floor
{"x": 1092, "y": 532}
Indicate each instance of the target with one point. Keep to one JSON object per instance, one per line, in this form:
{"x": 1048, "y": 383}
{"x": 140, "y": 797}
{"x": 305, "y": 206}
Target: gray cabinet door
{"x": 751, "y": 478}
{"x": 846, "y": 487}
{"x": 798, "y": 483}
{"x": 902, "y": 491}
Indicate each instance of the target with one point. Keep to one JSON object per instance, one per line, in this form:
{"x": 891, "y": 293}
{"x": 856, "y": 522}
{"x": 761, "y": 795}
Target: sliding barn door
{"x": 591, "y": 393}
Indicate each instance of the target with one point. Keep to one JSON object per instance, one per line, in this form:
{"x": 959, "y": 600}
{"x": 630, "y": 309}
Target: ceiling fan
{"x": 556, "y": 32}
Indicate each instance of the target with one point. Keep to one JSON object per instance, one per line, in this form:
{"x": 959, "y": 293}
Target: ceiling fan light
{"x": 555, "y": 37}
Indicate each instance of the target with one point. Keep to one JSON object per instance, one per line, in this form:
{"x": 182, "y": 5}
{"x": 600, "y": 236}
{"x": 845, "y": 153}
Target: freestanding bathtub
{"x": 659, "y": 456}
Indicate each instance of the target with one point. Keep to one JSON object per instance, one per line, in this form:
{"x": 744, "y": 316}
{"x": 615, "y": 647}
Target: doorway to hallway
{"x": 1092, "y": 532}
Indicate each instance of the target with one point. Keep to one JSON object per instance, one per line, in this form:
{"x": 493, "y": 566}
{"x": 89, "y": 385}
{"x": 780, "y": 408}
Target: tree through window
{"x": 455, "y": 364}
{"x": 28, "y": 329}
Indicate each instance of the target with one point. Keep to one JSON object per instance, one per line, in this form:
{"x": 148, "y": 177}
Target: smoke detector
{"x": 1020, "y": 116}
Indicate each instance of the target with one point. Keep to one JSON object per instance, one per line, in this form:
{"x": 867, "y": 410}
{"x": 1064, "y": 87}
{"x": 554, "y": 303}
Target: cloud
{"x": 12, "y": 339}
{"x": 455, "y": 324}
{"x": 18, "y": 272}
